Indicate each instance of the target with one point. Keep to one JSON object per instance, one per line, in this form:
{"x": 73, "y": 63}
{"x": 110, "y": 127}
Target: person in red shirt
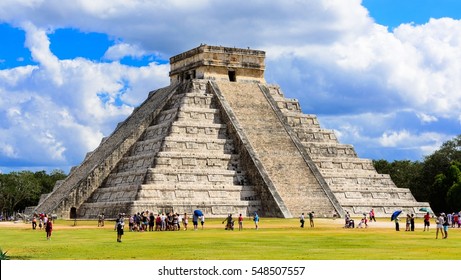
{"x": 427, "y": 223}
{"x": 49, "y": 228}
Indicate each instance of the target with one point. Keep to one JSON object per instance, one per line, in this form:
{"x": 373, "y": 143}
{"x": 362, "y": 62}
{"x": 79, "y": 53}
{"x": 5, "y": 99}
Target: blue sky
{"x": 385, "y": 75}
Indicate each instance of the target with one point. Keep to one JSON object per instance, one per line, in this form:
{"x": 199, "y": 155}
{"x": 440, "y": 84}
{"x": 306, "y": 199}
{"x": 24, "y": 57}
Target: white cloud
{"x": 329, "y": 54}
{"x": 122, "y": 50}
{"x": 425, "y": 118}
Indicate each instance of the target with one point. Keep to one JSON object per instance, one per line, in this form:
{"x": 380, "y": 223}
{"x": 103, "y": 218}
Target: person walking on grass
{"x": 412, "y": 222}
{"x": 446, "y": 223}
{"x": 185, "y": 221}
{"x": 427, "y": 221}
{"x": 49, "y": 228}
{"x": 240, "y": 222}
{"x": 202, "y": 220}
{"x": 372, "y": 215}
{"x": 119, "y": 225}
{"x": 439, "y": 224}
{"x": 301, "y": 220}
{"x": 311, "y": 219}
{"x": 397, "y": 225}
{"x": 256, "y": 220}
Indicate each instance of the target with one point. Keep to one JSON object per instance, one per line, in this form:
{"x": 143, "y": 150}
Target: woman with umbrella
{"x": 197, "y": 214}
{"x": 395, "y": 217}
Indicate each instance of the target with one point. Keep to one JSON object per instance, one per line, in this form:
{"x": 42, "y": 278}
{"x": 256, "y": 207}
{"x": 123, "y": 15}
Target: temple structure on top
{"x": 221, "y": 140}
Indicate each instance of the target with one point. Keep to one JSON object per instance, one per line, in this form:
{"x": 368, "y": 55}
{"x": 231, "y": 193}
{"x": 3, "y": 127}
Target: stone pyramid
{"x": 221, "y": 140}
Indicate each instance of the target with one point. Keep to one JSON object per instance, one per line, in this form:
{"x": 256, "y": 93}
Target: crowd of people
{"x": 148, "y": 221}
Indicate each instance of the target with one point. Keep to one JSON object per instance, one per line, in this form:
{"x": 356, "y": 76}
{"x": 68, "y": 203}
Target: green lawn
{"x": 277, "y": 239}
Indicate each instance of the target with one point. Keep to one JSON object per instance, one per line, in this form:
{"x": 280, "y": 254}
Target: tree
{"x": 446, "y": 190}
{"x": 17, "y": 187}
{"x": 19, "y": 190}
{"x": 436, "y": 169}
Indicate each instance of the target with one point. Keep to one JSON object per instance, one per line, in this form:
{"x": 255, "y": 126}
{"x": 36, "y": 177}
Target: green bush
{"x": 3, "y": 255}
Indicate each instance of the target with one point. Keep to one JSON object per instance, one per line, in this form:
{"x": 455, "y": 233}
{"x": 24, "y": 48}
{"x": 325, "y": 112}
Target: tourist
{"x": 119, "y": 225}
{"x": 439, "y": 224}
{"x": 311, "y": 219}
{"x": 144, "y": 221}
{"x": 363, "y": 221}
{"x": 202, "y": 220}
{"x": 455, "y": 220}
{"x": 446, "y": 223}
{"x": 45, "y": 219}
{"x": 175, "y": 223}
{"x": 158, "y": 223}
{"x": 34, "y": 223}
{"x": 101, "y": 220}
{"x": 407, "y": 223}
{"x": 195, "y": 221}
{"x": 256, "y": 220}
{"x": 412, "y": 222}
{"x": 427, "y": 223}
{"x": 229, "y": 222}
{"x": 163, "y": 221}
{"x": 397, "y": 225}
{"x": 48, "y": 228}
{"x": 301, "y": 220}
{"x": 151, "y": 221}
{"x": 372, "y": 215}
{"x": 240, "y": 222}
{"x": 131, "y": 223}
{"x": 185, "y": 221}
{"x": 179, "y": 221}
{"x": 449, "y": 218}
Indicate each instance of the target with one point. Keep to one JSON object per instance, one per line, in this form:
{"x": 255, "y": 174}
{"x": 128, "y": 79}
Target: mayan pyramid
{"x": 221, "y": 140}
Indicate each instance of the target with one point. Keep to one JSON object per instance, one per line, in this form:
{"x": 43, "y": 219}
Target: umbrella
{"x": 395, "y": 214}
{"x": 198, "y": 213}
{"x": 425, "y": 210}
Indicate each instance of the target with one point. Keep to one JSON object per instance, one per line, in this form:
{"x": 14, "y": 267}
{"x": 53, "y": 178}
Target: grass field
{"x": 277, "y": 239}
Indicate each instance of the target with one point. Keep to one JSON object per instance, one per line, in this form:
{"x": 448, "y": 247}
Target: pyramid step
{"x": 196, "y": 160}
{"x": 329, "y": 150}
{"x": 157, "y": 130}
{"x": 315, "y": 135}
{"x": 128, "y": 177}
{"x": 199, "y": 128}
{"x": 134, "y": 162}
{"x": 296, "y": 119}
{"x": 147, "y": 146}
{"x": 199, "y": 114}
{"x": 344, "y": 163}
{"x": 197, "y": 100}
{"x": 359, "y": 177}
{"x": 193, "y": 143}
{"x": 205, "y": 176}
{"x": 194, "y": 186}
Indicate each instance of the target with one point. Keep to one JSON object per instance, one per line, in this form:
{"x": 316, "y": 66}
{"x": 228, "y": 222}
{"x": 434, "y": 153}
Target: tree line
{"x": 19, "y": 190}
{"x": 436, "y": 179}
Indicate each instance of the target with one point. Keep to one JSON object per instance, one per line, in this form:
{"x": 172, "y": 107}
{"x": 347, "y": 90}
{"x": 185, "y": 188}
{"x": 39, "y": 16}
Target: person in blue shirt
{"x": 256, "y": 220}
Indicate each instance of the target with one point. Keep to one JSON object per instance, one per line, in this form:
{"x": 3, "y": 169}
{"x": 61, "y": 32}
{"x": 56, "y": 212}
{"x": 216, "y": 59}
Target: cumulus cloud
{"x": 53, "y": 112}
{"x": 329, "y": 54}
{"x": 121, "y": 50}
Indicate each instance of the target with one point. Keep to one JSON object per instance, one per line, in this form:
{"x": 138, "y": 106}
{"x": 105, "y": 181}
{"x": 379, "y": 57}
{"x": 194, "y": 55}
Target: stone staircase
{"x": 291, "y": 176}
